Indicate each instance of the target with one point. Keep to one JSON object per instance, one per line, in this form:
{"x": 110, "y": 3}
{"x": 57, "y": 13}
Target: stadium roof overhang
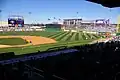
{"x": 107, "y": 3}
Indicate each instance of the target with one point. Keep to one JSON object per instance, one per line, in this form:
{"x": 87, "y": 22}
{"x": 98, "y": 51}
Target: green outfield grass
{"x": 12, "y": 41}
{"x": 31, "y": 33}
{"x": 63, "y": 39}
{"x": 30, "y": 49}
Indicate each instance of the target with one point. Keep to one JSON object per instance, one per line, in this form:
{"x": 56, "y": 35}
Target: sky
{"x": 41, "y": 10}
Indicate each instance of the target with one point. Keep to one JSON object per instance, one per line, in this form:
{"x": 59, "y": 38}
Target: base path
{"x": 33, "y": 40}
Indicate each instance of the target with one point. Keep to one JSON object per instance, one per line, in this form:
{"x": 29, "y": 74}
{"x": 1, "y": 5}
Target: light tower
{"x": 0, "y": 18}
{"x": 118, "y": 24}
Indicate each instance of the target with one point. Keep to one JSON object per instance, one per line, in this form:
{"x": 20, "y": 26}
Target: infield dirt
{"x": 32, "y": 40}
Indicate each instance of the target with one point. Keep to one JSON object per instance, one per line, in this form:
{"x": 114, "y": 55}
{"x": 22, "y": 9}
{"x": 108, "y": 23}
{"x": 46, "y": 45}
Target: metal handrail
{"x": 55, "y": 76}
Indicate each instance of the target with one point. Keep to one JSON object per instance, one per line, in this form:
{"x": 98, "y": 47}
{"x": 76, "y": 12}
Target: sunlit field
{"x": 63, "y": 39}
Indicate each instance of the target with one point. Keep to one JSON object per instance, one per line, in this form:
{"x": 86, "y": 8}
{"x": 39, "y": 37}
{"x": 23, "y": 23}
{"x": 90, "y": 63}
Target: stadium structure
{"x": 70, "y": 61}
{"x": 98, "y": 25}
{"x": 16, "y": 23}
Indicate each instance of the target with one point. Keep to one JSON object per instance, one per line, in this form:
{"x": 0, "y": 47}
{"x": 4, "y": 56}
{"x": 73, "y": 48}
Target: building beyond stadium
{"x": 16, "y": 23}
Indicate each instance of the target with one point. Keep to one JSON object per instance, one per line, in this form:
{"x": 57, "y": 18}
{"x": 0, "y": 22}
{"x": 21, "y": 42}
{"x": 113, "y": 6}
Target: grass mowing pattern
{"x": 12, "y": 41}
{"x": 50, "y": 35}
{"x": 65, "y": 38}
{"x": 86, "y": 36}
{"x": 56, "y": 35}
{"x": 62, "y": 36}
{"x": 89, "y": 35}
{"x": 96, "y": 36}
{"x": 30, "y": 49}
{"x": 77, "y": 36}
{"x": 83, "y": 36}
{"x": 93, "y": 36}
{"x": 71, "y": 34}
{"x": 73, "y": 37}
{"x": 80, "y": 36}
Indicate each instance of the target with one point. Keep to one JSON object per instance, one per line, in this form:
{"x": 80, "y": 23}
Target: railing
{"x": 41, "y": 72}
{"x": 37, "y": 56}
{"x": 57, "y": 48}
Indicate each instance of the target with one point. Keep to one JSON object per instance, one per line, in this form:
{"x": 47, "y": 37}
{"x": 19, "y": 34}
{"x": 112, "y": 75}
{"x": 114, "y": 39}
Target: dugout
{"x": 105, "y": 34}
{"x": 53, "y": 27}
{"x": 117, "y": 34}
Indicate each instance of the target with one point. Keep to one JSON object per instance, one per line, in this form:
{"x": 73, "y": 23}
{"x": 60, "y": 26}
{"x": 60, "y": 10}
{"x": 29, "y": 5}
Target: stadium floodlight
{"x": 54, "y": 18}
{"x": 0, "y": 18}
{"x": 30, "y": 15}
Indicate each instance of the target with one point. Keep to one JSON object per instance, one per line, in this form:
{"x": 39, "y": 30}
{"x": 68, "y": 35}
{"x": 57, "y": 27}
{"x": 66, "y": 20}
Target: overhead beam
{"x": 107, "y": 3}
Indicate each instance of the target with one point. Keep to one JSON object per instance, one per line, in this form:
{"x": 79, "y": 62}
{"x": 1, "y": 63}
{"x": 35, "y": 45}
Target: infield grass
{"x": 30, "y": 49}
{"x": 12, "y": 41}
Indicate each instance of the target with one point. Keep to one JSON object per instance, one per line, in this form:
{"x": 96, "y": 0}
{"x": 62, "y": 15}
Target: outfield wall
{"x": 117, "y": 34}
{"x": 53, "y": 29}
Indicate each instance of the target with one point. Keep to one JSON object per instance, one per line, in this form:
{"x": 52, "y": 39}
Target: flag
{"x": 77, "y": 12}
{"x": 107, "y": 22}
{"x": 54, "y": 18}
{"x": 96, "y": 20}
{"x": 29, "y": 13}
{"x": 59, "y": 19}
{"x": 48, "y": 19}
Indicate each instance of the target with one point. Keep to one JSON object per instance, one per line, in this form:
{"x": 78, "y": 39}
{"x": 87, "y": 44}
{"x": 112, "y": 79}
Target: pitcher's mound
{"x": 35, "y": 40}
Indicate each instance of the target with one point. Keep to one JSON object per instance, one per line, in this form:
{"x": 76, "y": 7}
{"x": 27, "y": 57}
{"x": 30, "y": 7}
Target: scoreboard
{"x": 16, "y": 21}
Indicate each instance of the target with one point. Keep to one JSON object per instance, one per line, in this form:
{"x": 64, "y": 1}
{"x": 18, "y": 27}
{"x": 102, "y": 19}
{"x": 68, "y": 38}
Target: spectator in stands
{"x": 99, "y": 61}
{"x": 30, "y": 41}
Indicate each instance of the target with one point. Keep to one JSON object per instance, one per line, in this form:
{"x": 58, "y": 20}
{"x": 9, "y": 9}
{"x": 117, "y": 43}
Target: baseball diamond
{"x": 26, "y": 38}
{"x": 42, "y": 40}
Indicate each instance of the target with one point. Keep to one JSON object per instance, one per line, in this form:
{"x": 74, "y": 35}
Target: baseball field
{"x": 27, "y": 42}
